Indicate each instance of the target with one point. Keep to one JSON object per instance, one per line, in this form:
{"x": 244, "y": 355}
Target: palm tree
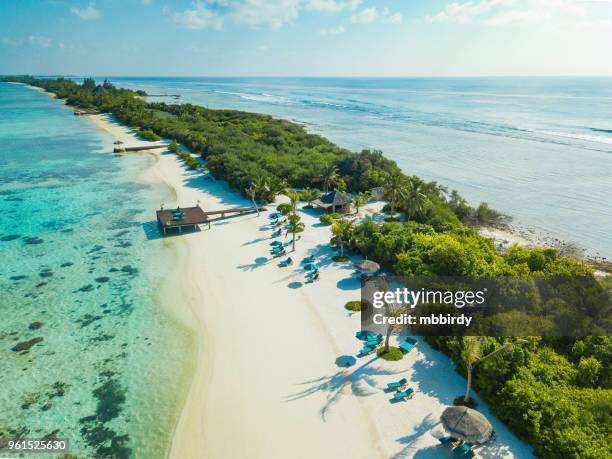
{"x": 251, "y": 192}
{"x": 294, "y": 197}
{"x": 294, "y": 226}
{"x": 393, "y": 310}
{"x": 361, "y": 199}
{"x": 329, "y": 175}
{"x": 343, "y": 232}
{"x": 396, "y": 189}
{"x": 414, "y": 196}
{"x": 472, "y": 355}
{"x": 310, "y": 194}
{"x": 277, "y": 187}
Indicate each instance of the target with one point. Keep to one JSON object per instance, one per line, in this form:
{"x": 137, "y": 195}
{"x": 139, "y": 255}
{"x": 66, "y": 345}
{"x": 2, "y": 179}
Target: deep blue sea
{"x": 88, "y": 354}
{"x": 539, "y": 149}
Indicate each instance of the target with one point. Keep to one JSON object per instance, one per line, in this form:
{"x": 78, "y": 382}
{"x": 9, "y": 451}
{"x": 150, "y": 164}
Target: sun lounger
{"x": 403, "y": 394}
{"x": 276, "y": 243}
{"x": 311, "y": 279}
{"x": 363, "y": 334}
{"x": 407, "y": 345}
{"x": 462, "y": 449}
{"x": 446, "y": 440}
{"x": 310, "y": 259}
{"x": 286, "y": 262}
{"x": 397, "y": 384}
{"x": 366, "y": 350}
{"x": 370, "y": 338}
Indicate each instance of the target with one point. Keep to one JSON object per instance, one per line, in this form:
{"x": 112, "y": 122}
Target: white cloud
{"x": 332, "y": 30}
{"x": 365, "y": 16}
{"x": 199, "y": 17}
{"x": 270, "y": 13}
{"x": 392, "y": 18}
{"x": 513, "y": 12}
{"x": 465, "y": 12}
{"x": 331, "y": 6}
{"x": 261, "y": 13}
{"x": 88, "y": 14}
{"x": 39, "y": 40}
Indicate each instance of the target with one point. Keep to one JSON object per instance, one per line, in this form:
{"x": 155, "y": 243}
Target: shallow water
{"x": 539, "y": 149}
{"x": 88, "y": 354}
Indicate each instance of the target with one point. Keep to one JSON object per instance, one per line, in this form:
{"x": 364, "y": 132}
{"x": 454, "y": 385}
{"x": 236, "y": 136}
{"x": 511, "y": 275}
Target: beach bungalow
{"x": 181, "y": 218}
{"x": 334, "y": 201}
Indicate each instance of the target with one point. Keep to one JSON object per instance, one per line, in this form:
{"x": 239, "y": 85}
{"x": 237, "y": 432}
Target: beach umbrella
{"x": 367, "y": 266}
{"x": 276, "y": 243}
{"x": 466, "y": 424}
{"x": 346, "y": 361}
{"x": 274, "y": 215}
{"x": 310, "y": 267}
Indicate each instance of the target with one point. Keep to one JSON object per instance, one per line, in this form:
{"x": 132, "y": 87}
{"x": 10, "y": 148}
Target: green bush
{"x": 340, "y": 258}
{"x": 391, "y": 219}
{"x": 353, "y": 305}
{"x": 328, "y": 219}
{"x": 388, "y": 208}
{"x": 173, "y": 147}
{"x": 395, "y": 353}
{"x": 191, "y": 162}
{"x": 284, "y": 208}
{"x": 148, "y": 134}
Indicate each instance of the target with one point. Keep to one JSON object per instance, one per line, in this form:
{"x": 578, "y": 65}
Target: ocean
{"x": 538, "y": 149}
{"x": 88, "y": 353}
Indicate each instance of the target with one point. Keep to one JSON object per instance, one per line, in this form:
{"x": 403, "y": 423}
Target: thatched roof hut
{"x": 334, "y": 201}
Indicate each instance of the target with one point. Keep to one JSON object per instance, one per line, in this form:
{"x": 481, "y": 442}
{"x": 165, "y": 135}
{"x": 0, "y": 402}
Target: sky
{"x": 385, "y": 38}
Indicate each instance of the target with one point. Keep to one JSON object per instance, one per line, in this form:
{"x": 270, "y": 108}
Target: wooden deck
{"x": 123, "y": 148}
{"x": 193, "y": 217}
{"x": 239, "y": 210}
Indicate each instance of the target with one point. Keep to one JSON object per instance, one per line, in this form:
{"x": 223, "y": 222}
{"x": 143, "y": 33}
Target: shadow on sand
{"x": 361, "y": 382}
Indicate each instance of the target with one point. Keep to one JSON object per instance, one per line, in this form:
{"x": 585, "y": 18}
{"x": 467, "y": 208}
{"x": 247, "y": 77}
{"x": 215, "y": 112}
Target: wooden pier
{"x": 123, "y": 148}
{"x": 190, "y": 218}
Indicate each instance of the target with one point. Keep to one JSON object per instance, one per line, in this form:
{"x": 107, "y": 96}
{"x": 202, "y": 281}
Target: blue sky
{"x": 307, "y": 37}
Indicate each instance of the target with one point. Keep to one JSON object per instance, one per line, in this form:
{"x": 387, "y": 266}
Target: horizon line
{"x": 58, "y": 75}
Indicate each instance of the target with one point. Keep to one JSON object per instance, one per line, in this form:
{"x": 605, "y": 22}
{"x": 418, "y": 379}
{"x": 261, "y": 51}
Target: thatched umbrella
{"x": 466, "y": 424}
{"x": 367, "y": 266}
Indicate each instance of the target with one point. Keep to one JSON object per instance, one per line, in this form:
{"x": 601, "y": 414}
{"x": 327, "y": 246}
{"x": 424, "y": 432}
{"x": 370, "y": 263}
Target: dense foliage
{"x": 556, "y": 393}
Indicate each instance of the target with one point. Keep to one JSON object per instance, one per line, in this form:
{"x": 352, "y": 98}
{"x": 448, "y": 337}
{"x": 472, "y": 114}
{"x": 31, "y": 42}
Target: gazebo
{"x": 334, "y": 201}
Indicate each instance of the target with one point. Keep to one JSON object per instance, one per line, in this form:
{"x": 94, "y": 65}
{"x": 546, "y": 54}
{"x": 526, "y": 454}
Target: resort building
{"x": 334, "y": 201}
{"x": 181, "y": 218}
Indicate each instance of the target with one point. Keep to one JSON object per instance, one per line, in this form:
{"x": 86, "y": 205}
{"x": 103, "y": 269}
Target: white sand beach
{"x": 265, "y": 383}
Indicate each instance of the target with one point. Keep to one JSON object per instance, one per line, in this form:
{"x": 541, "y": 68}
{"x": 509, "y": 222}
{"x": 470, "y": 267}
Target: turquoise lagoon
{"x": 88, "y": 353}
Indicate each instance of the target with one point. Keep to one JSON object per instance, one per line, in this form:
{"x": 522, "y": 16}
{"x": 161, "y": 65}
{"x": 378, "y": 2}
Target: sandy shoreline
{"x": 265, "y": 383}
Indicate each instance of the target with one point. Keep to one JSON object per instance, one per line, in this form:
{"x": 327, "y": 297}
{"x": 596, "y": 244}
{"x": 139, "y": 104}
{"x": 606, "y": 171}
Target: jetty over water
{"x": 190, "y": 218}
{"x": 123, "y": 148}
